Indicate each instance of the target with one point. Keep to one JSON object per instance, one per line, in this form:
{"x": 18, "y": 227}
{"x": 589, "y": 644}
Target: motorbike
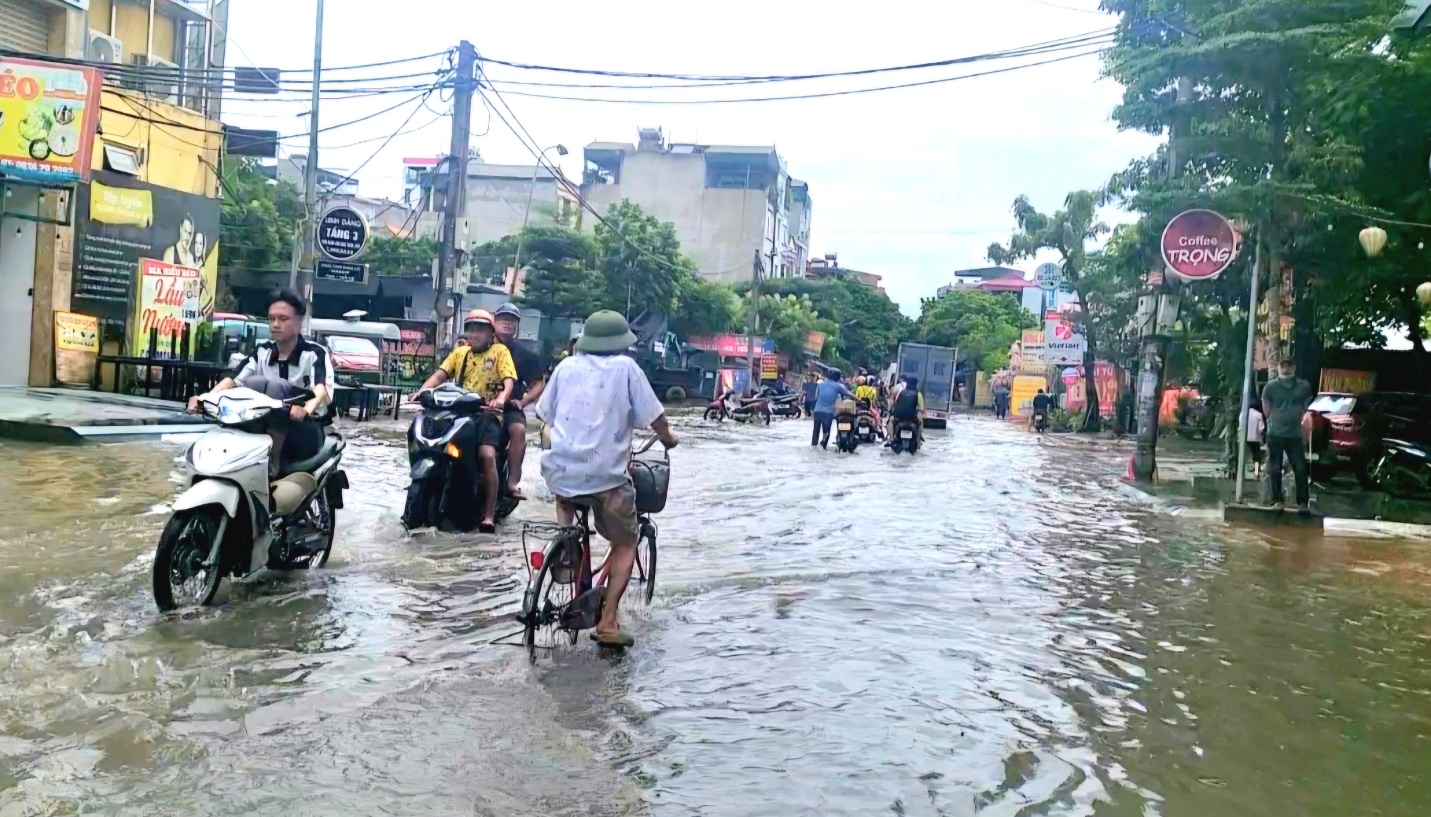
{"x": 741, "y": 409}
{"x": 1041, "y": 421}
{"x": 906, "y": 436}
{"x": 847, "y": 439}
{"x": 866, "y": 424}
{"x": 1402, "y": 469}
{"x": 231, "y": 519}
{"x": 782, "y": 405}
{"x": 433, "y": 498}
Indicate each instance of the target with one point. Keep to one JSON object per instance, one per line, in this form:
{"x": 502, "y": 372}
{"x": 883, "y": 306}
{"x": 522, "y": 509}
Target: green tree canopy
{"x": 401, "y": 255}
{"x": 982, "y": 325}
{"x": 259, "y": 218}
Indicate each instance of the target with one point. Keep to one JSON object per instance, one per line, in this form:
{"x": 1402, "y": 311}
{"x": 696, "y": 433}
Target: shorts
{"x": 490, "y": 430}
{"x": 613, "y": 512}
{"x": 513, "y": 415}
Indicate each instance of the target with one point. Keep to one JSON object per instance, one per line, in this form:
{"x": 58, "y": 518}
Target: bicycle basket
{"x": 652, "y": 478}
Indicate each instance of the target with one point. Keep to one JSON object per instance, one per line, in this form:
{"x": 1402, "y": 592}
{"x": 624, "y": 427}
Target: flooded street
{"x": 995, "y": 626}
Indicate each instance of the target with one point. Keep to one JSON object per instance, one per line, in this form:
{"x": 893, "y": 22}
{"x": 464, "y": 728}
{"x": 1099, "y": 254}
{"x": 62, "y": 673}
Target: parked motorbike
{"x": 906, "y": 436}
{"x": 232, "y": 520}
{"x": 847, "y": 438}
{"x": 434, "y": 499}
{"x": 731, "y": 406}
{"x": 782, "y": 405}
{"x": 1402, "y": 469}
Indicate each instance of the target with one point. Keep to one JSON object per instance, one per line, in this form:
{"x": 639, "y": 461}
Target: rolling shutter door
{"x": 24, "y": 26}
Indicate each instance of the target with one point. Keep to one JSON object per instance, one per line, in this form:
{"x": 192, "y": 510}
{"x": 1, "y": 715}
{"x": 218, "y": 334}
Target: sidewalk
{"x": 68, "y": 416}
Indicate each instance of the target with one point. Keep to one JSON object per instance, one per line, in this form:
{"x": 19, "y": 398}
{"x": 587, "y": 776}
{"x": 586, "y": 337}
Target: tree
{"x": 640, "y": 259}
{"x": 401, "y": 255}
{"x": 788, "y": 320}
{"x": 259, "y": 218}
{"x": 983, "y": 325}
{"x": 561, "y": 279}
{"x": 870, "y": 324}
{"x": 1067, "y": 232}
{"x": 705, "y": 308}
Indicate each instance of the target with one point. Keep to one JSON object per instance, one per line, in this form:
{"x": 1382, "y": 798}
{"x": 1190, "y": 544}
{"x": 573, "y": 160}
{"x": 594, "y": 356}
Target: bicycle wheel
{"x": 548, "y": 598}
{"x": 645, "y": 573}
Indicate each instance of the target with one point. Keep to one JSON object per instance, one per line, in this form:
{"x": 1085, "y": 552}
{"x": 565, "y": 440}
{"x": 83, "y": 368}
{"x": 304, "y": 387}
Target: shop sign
{"x": 49, "y": 114}
{"x": 1063, "y": 342}
{"x": 1199, "y": 244}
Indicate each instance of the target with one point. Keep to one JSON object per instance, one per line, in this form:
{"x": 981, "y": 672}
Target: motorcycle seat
{"x": 1407, "y": 447}
{"x": 330, "y": 448}
{"x": 290, "y": 491}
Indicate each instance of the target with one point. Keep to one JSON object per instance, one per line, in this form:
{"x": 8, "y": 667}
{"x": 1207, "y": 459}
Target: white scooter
{"x": 231, "y": 520}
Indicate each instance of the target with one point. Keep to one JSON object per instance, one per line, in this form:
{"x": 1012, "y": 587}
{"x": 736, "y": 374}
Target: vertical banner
{"x": 168, "y": 300}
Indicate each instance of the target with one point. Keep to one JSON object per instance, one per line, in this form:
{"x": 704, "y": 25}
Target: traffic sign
{"x": 341, "y": 272}
{"x": 1198, "y": 245}
{"x": 1049, "y": 277}
{"x": 342, "y": 233}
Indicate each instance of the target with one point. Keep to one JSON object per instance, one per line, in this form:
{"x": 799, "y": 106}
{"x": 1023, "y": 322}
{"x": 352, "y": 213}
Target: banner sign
{"x": 1062, "y": 341}
{"x": 119, "y": 221}
{"x": 731, "y": 345}
{"x": 1348, "y": 381}
{"x": 168, "y": 299}
{"x": 49, "y": 114}
{"x": 76, "y": 348}
{"x": 769, "y": 367}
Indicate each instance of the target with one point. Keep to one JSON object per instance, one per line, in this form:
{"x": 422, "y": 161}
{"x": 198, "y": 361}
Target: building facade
{"x": 728, "y": 203}
{"x": 117, "y": 188}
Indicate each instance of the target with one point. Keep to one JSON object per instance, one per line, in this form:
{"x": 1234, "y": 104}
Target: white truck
{"x": 934, "y": 366}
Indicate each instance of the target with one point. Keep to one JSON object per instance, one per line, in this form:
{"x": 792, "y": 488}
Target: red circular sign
{"x": 1199, "y": 244}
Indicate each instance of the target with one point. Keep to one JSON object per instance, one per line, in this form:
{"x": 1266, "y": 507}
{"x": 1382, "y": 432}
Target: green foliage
{"x": 401, "y": 255}
{"x": 870, "y": 324}
{"x": 640, "y": 259}
{"x": 561, "y": 280}
{"x": 259, "y": 218}
{"x": 705, "y": 308}
{"x": 983, "y": 325}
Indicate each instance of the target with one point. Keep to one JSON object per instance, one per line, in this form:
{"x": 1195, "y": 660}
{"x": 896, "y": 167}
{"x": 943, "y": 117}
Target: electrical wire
{"x": 823, "y": 95}
{"x": 385, "y": 143}
{"x": 1029, "y": 50}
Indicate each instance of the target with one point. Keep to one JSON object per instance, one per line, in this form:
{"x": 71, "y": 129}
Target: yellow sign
{"x": 168, "y": 301}
{"x": 76, "y": 333}
{"x": 1022, "y": 394}
{"x": 49, "y": 114}
{"x": 769, "y": 367}
{"x": 121, "y": 205}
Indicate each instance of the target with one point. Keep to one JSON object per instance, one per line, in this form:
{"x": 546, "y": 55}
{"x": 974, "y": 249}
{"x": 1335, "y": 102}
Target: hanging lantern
{"x": 1423, "y": 293}
{"x": 1373, "y": 241}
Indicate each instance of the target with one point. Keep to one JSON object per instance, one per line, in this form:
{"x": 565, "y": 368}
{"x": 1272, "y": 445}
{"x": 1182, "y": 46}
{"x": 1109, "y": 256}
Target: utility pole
{"x": 455, "y": 204}
{"x": 1155, "y": 344}
{"x": 310, "y": 178}
{"x": 750, "y": 328}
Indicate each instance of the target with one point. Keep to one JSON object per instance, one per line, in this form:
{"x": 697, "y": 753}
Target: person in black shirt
{"x": 1041, "y": 405}
{"x": 531, "y": 379}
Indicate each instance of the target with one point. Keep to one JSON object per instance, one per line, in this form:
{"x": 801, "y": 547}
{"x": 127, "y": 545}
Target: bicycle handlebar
{"x": 647, "y": 446}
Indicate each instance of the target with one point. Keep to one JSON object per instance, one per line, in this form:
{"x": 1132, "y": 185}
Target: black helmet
{"x": 508, "y": 308}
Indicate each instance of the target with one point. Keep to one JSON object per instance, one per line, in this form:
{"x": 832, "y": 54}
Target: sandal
{"x": 486, "y": 527}
{"x": 516, "y": 493}
{"x": 619, "y": 638}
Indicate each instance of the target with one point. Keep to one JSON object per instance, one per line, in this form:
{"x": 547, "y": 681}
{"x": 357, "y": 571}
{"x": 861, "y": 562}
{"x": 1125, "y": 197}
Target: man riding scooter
{"x": 483, "y": 367}
{"x": 907, "y": 405}
{"x": 531, "y": 380}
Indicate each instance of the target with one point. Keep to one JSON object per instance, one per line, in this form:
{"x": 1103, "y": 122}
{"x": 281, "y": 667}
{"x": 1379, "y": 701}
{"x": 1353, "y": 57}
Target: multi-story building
{"x": 115, "y": 195}
{"x": 829, "y": 267}
{"x": 728, "y": 203}
{"x": 501, "y": 198}
{"x": 335, "y": 189}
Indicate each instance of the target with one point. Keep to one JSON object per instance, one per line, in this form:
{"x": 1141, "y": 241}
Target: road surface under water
{"x": 994, "y": 626}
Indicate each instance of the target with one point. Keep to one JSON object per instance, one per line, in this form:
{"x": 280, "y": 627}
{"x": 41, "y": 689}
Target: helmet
{"x": 477, "y": 316}
{"x": 508, "y": 308}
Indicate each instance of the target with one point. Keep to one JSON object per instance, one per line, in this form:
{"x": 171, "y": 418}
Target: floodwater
{"x": 994, "y": 626}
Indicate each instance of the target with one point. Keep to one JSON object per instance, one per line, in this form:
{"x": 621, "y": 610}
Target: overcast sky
{"x": 911, "y": 184}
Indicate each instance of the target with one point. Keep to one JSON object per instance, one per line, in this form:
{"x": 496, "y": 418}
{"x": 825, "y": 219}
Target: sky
{"x": 911, "y": 184}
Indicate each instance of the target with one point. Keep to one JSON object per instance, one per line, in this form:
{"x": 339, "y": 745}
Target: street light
{"x": 527, "y": 214}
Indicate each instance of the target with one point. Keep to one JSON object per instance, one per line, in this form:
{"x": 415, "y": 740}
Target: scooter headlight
{"x": 231, "y": 414}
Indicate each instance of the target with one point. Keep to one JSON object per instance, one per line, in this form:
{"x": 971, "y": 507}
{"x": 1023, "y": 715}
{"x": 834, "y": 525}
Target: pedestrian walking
{"x": 1284, "y": 400}
{"x": 828, "y": 392}
{"x": 809, "y": 390}
{"x": 1256, "y": 426}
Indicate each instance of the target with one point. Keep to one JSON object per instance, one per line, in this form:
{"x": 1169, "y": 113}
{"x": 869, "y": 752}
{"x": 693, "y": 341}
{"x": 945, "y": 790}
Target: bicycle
{"x": 564, "y": 594}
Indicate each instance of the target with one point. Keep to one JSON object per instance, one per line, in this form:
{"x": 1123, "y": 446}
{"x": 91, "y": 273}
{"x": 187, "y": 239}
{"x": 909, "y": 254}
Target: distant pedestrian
{"x": 809, "y": 390}
{"x": 1285, "y": 399}
{"x": 1256, "y": 427}
{"x": 826, "y": 395}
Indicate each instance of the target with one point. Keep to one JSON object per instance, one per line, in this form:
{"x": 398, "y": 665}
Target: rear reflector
{"x": 537, "y": 558}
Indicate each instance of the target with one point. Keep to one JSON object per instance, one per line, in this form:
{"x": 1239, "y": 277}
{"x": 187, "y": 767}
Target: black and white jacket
{"x": 309, "y": 365}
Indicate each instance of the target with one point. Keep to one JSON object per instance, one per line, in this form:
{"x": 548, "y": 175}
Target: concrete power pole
{"x": 455, "y": 204}
{"x": 310, "y": 177}
{"x": 753, "y": 323}
{"x": 1153, "y": 358}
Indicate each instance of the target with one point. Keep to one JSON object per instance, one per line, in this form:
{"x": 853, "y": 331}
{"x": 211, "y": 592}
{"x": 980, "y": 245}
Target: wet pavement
{"x": 995, "y": 626}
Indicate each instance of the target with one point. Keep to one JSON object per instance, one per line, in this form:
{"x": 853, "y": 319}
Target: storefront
{"x": 48, "y": 121}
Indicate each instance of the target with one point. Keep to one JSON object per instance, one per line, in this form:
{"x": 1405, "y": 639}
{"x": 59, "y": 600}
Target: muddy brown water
{"x": 995, "y": 626}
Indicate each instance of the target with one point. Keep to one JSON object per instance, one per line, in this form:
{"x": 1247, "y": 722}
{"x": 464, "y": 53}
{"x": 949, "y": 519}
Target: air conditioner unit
{"x": 162, "y": 81}
{"x": 104, "y": 48}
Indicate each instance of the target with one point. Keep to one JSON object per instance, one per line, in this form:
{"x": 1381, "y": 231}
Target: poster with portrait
{"x": 121, "y": 221}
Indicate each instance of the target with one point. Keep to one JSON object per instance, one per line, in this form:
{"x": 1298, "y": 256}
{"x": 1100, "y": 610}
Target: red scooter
{"x": 730, "y": 406}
